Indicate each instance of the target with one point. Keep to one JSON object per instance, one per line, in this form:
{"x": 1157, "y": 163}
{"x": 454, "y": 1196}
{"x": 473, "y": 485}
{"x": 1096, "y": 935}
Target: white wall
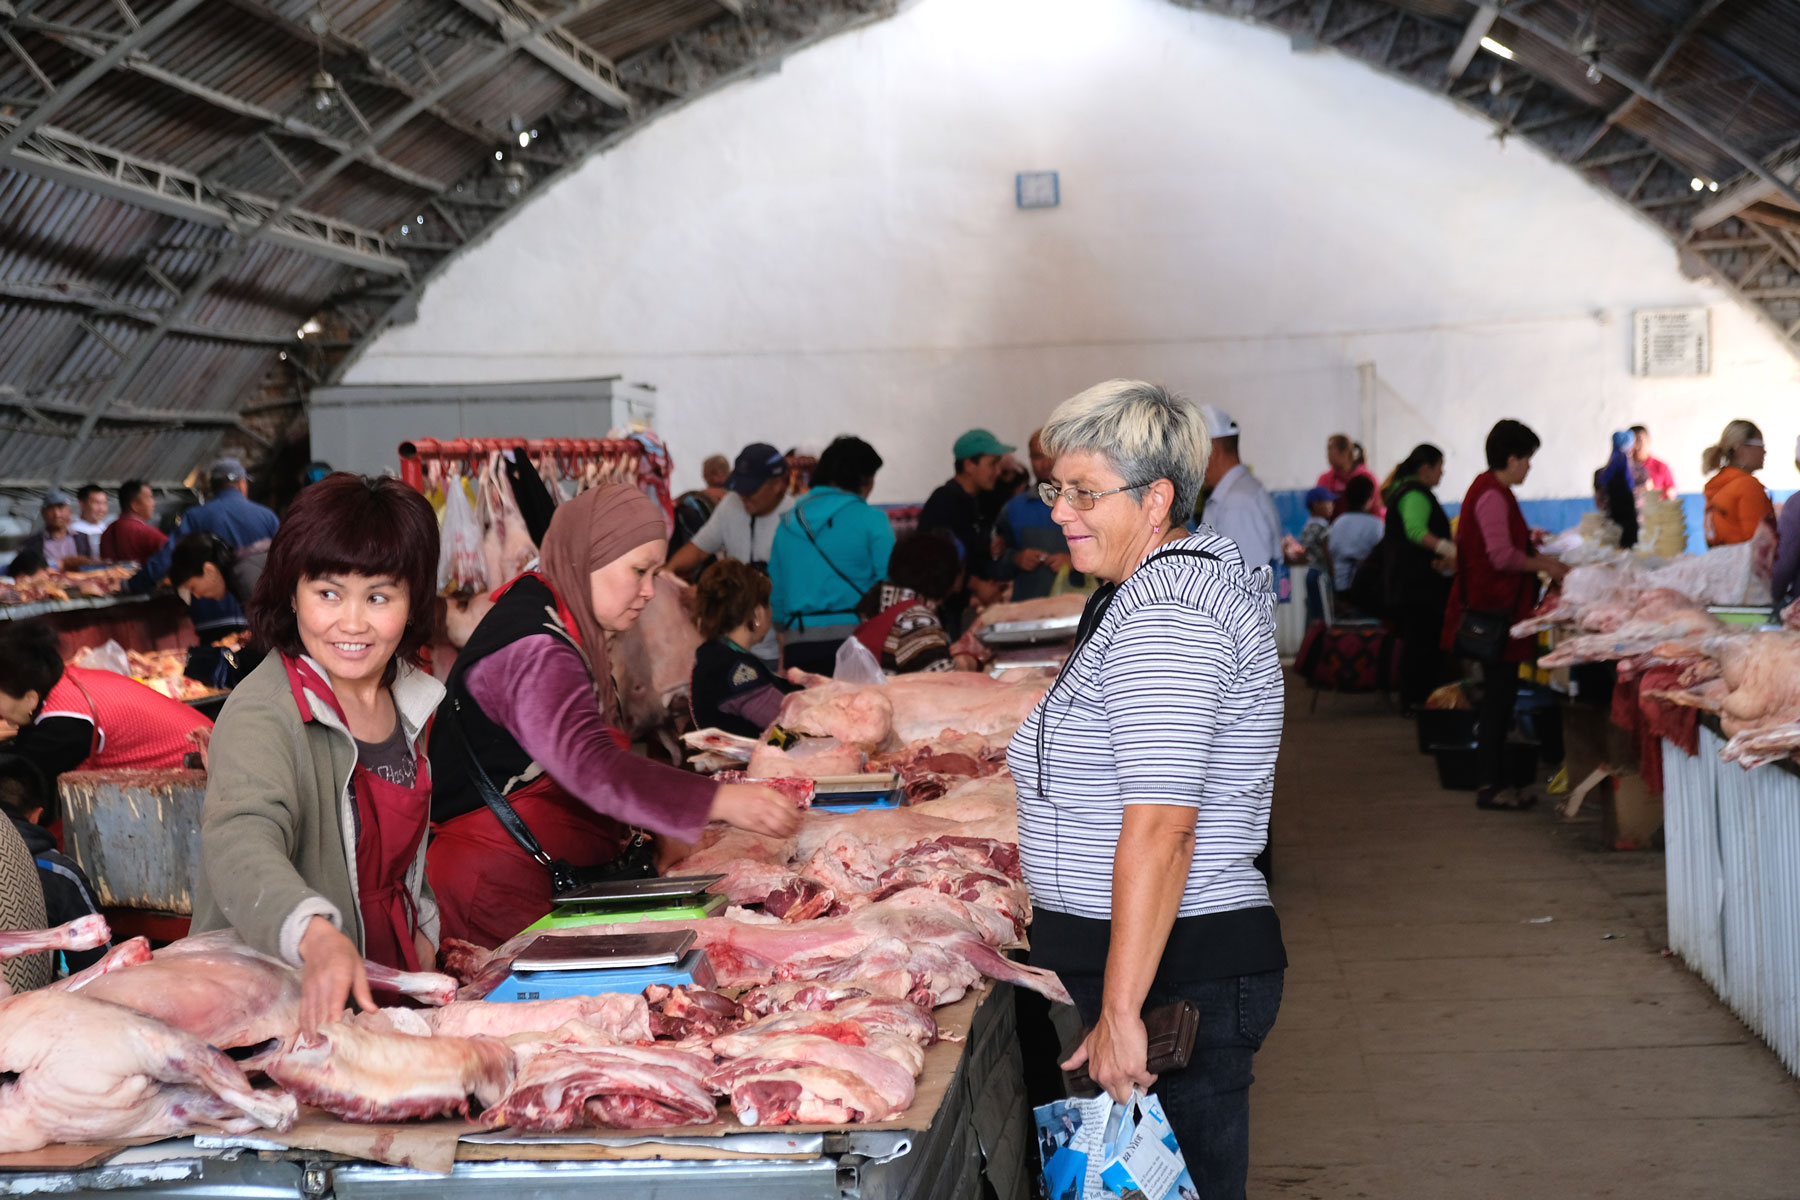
{"x": 835, "y": 248}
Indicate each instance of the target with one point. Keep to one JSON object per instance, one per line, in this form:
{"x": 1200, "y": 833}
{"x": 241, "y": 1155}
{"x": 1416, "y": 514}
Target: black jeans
{"x": 1208, "y": 1102}
{"x": 1422, "y": 663}
{"x": 1499, "y": 692}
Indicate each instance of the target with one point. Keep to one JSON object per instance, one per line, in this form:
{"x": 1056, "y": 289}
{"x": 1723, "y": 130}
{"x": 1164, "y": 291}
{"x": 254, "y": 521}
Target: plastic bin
{"x": 1445, "y": 727}
{"x": 1456, "y": 766}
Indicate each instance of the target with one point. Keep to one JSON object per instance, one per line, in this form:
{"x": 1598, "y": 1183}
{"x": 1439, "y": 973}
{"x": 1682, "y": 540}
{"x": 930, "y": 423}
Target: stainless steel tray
{"x": 1027, "y": 633}
{"x": 634, "y": 891}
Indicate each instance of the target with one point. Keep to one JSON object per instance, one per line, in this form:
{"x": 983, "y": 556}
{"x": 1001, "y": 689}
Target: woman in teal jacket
{"x": 830, "y": 549}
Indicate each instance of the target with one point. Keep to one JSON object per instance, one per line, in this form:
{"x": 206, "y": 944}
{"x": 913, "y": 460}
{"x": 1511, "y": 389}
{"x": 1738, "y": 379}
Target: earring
{"x": 1155, "y": 529}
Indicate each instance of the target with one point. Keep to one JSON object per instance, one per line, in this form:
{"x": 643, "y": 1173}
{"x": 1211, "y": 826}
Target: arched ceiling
{"x": 178, "y": 198}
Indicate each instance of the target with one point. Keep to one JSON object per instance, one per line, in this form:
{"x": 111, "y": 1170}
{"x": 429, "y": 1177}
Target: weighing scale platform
{"x": 575, "y": 918}
{"x": 692, "y": 971}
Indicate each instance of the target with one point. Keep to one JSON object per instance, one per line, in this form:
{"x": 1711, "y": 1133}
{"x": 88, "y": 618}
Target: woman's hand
{"x": 806, "y": 678}
{"x": 1115, "y": 1051}
{"x": 331, "y": 972}
{"x": 756, "y": 808}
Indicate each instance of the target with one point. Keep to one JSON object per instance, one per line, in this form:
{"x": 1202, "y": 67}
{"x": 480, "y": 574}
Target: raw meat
{"x": 887, "y": 1014}
{"x": 799, "y": 790}
{"x": 911, "y": 708}
{"x": 936, "y": 945}
{"x": 506, "y": 544}
{"x": 230, "y": 996}
{"x": 364, "y": 1075}
{"x": 653, "y": 661}
{"x": 679, "y": 1013}
{"x": 81, "y": 1070}
{"x": 1043, "y": 608}
{"x": 1658, "y": 615}
{"x": 1756, "y": 692}
{"x": 83, "y": 933}
{"x": 810, "y": 758}
{"x": 560, "y": 1088}
{"x": 624, "y": 1018}
{"x": 813, "y": 1080}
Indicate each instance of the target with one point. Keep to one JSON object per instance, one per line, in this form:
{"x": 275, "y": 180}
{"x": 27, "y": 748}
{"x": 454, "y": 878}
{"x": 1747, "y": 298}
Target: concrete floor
{"x": 1439, "y": 1038}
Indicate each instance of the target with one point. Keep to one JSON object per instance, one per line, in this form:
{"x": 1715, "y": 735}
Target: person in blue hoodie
{"x": 831, "y": 547}
{"x": 1614, "y": 487}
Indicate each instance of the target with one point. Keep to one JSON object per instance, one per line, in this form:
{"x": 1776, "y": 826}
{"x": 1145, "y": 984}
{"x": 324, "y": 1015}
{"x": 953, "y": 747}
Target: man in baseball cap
{"x": 232, "y": 517}
{"x": 54, "y": 544}
{"x": 957, "y": 508}
{"x": 743, "y": 523}
{"x": 1238, "y": 505}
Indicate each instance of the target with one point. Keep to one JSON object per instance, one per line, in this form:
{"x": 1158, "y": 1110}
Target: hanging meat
{"x": 653, "y": 662}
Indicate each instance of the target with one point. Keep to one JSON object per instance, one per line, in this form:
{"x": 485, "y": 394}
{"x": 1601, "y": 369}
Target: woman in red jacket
{"x": 1497, "y": 569}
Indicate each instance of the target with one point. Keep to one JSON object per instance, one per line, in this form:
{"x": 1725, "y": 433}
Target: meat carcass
{"x": 911, "y": 708}
{"x": 506, "y": 544}
{"x": 563, "y": 1087}
{"x": 622, "y": 1017}
{"x": 943, "y": 944}
{"x": 366, "y": 1075}
{"x": 887, "y": 1014}
{"x": 228, "y": 995}
{"x": 81, "y": 1070}
{"x": 653, "y": 661}
{"x": 813, "y": 1080}
{"x": 808, "y": 758}
{"x": 1659, "y": 615}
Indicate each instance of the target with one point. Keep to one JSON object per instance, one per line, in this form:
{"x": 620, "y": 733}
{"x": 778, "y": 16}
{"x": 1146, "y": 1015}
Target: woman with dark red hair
{"x": 319, "y": 793}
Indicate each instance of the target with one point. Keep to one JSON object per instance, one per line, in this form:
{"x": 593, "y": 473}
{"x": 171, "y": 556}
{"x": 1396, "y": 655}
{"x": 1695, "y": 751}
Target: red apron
{"x": 487, "y": 888}
{"x": 390, "y": 823}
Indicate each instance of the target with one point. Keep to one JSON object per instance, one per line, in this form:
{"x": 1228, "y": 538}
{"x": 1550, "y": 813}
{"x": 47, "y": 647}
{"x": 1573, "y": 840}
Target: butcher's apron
{"x": 487, "y": 887}
{"x": 390, "y": 824}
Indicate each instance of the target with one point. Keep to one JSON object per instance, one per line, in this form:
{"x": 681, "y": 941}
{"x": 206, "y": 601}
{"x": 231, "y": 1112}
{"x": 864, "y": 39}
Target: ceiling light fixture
{"x": 1698, "y": 184}
{"x": 323, "y": 88}
{"x": 1493, "y": 47}
{"x": 512, "y": 178}
{"x": 1497, "y": 84}
{"x": 524, "y": 139}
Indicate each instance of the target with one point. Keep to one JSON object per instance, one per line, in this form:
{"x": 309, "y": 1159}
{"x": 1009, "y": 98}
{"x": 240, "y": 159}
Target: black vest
{"x": 722, "y": 671}
{"x": 526, "y": 609}
{"x": 1411, "y": 580}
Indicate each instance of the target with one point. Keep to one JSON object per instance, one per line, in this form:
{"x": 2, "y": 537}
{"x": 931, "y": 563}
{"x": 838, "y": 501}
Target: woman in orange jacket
{"x": 1736, "y": 503}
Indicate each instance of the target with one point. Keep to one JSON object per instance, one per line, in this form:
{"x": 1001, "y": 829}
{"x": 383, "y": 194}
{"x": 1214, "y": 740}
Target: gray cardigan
{"x": 278, "y": 833}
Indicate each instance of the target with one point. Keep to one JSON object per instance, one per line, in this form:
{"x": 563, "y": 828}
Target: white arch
{"x": 835, "y": 248}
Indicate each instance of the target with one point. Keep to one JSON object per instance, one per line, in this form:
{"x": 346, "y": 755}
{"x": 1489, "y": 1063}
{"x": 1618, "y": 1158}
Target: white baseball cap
{"x": 1218, "y": 422}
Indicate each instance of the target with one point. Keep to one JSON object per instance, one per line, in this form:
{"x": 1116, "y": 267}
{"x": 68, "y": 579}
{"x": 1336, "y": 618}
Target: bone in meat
{"x": 818, "y": 1080}
{"x": 85, "y": 1070}
{"x": 83, "y": 933}
{"x": 364, "y": 1075}
{"x": 566, "y": 1087}
{"x": 623, "y": 1017}
{"x": 888, "y": 1014}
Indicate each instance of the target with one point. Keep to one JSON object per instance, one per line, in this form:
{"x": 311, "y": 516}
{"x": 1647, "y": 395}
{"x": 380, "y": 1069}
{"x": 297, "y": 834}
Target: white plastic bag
{"x": 109, "y": 657}
{"x": 459, "y": 546}
{"x": 856, "y": 665}
{"x": 1097, "y": 1150}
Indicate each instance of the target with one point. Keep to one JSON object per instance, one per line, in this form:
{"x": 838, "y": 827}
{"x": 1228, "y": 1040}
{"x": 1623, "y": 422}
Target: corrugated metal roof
{"x": 114, "y": 298}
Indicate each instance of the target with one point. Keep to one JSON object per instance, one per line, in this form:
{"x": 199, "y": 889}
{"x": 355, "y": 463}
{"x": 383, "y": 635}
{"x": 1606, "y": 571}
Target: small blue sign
{"x": 1037, "y": 189}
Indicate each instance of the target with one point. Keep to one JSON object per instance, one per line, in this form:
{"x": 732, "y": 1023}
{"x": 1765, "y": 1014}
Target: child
{"x": 1310, "y": 550}
{"x": 25, "y": 800}
{"x": 732, "y": 689}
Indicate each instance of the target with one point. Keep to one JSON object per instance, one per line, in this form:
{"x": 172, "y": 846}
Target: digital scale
{"x": 613, "y": 959}
{"x": 853, "y": 793}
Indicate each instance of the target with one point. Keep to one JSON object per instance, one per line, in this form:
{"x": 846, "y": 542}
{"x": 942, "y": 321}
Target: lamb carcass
{"x": 622, "y": 1017}
{"x": 228, "y": 995}
{"x": 1659, "y": 615}
{"x": 83, "y": 933}
{"x": 887, "y": 1014}
{"x": 366, "y": 1075}
{"x": 653, "y": 661}
{"x": 81, "y": 1070}
{"x": 911, "y": 708}
{"x": 936, "y": 945}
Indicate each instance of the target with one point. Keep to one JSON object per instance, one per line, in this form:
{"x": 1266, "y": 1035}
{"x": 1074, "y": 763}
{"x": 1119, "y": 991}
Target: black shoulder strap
{"x": 497, "y": 804}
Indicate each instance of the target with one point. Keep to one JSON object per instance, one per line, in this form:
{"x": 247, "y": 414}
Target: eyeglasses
{"x": 1080, "y": 499}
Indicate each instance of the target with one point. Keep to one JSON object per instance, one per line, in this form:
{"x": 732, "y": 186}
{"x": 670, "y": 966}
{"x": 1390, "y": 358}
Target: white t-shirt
{"x": 1353, "y": 537}
{"x": 1240, "y": 509}
{"x": 733, "y": 532}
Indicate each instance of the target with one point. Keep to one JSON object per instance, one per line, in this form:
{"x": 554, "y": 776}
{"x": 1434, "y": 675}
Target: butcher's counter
{"x": 136, "y": 622}
{"x": 1733, "y": 852}
{"x": 968, "y": 1120}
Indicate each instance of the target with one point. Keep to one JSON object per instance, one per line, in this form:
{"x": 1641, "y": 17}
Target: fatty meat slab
{"x": 910, "y": 708}
{"x": 619, "y": 1016}
{"x": 563, "y": 1087}
{"x": 366, "y": 1076}
{"x": 215, "y": 987}
{"x": 807, "y": 1079}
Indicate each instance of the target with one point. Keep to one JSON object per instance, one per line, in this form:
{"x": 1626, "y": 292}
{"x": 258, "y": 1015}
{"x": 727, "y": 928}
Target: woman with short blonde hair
{"x": 1736, "y": 501}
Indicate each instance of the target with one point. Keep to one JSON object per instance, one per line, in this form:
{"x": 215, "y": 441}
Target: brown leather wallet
{"x": 1170, "y": 1030}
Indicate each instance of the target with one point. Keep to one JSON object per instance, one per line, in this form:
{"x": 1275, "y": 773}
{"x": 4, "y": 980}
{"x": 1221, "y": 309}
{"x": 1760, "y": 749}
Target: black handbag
{"x": 637, "y": 860}
{"x": 1483, "y": 636}
{"x": 1169, "y": 1033}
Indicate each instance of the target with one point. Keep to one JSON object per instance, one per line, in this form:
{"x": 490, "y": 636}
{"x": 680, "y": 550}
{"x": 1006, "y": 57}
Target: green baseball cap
{"x": 978, "y": 442}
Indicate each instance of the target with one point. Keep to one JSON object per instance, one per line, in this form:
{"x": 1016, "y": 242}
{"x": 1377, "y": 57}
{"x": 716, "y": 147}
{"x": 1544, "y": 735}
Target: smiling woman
{"x": 318, "y": 796}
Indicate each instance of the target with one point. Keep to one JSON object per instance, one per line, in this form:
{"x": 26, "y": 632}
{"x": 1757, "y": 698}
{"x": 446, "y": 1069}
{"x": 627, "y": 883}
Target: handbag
{"x": 636, "y": 860}
{"x": 1170, "y": 1030}
{"x": 1480, "y": 635}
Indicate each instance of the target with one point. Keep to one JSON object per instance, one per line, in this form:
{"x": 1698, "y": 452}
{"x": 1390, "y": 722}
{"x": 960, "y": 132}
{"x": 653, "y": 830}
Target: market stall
{"x": 1733, "y": 844}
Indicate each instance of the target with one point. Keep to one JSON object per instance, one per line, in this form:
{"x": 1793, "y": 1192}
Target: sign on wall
{"x": 1671, "y": 342}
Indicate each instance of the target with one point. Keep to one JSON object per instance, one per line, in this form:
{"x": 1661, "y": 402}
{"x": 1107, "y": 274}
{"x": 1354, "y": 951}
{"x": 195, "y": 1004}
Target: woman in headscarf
{"x": 529, "y": 726}
{"x": 1616, "y": 491}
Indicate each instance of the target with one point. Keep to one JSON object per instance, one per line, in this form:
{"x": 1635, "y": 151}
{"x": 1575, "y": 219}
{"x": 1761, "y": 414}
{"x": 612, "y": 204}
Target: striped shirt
{"x": 1175, "y": 698}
